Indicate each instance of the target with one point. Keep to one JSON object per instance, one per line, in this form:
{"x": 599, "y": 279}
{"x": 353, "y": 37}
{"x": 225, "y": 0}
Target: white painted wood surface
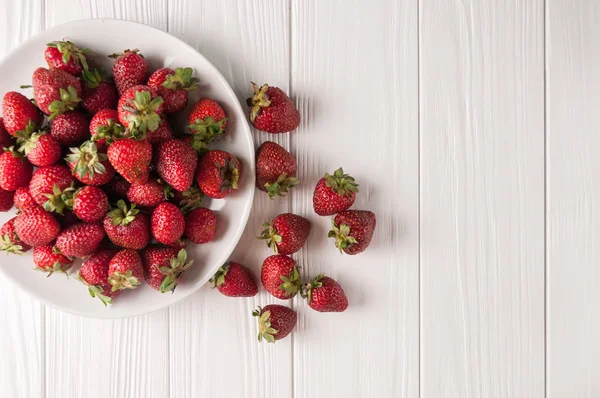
{"x": 473, "y": 130}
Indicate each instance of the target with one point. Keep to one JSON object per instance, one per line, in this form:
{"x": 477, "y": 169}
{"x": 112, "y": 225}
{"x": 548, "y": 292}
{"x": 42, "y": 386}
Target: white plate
{"x": 104, "y": 37}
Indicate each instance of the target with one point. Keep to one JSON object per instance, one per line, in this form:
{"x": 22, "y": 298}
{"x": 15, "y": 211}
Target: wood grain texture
{"x": 482, "y": 198}
{"x": 214, "y": 351}
{"x": 354, "y": 78}
{"x": 573, "y": 150}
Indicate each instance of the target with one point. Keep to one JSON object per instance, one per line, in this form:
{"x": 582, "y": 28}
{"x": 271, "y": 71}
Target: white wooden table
{"x": 474, "y": 130}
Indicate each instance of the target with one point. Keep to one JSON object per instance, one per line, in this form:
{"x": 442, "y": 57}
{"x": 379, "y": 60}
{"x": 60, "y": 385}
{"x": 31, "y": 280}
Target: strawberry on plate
{"x": 201, "y": 225}
{"x": 280, "y": 276}
{"x": 9, "y": 240}
{"x": 70, "y": 128}
{"x": 287, "y": 233}
{"x": 334, "y": 193}
{"x": 80, "y": 240}
{"x": 19, "y": 113}
{"x": 36, "y": 227}
{"x": 164, "y": 266}
{"x": 173, "y": 86}
{"x": 52, "y": 187}
{"x": 353, "y": 230}
{"x": 55, "y": 91}
{"x": 176, "y": 164}
{"x": 130, "y": 69}
{"x": 105, "y": 128}
{"x": 149, "y": 194}
{"x": 125, "y": 270}
{"x": 131, "y": 158}
{"x": 15, "y": 170}
{"x": 275, "y": 322}
{"x": 275, "y": 169}
{"x": 207, "y": 120}
{"x": 98, "y": 92}
{"x": 67, "y": 57}
{"x": 324, "y": 294}
{"x": 271, "y": 110}
{"x": 218, "y": 173}
{"x": 167, "y": 223}
{"x": 41, "y": 149}
{"x": 48, "y": 259}
{"x": 140, "y": 109}
{"x": 234, "y": 280}
{"x": 90, "y": 204}
{"x": 125, "y": 226}
{"x": 89, "y": 166}
{"x": 94, "y": 274}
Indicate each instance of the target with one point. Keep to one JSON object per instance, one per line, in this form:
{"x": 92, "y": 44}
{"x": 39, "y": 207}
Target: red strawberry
{"x": 353, "y": 230}
{"x": 19, "y": 112}
{"x": 207, "y": 120}
{"x": 9, "y": 241}
{"x": 131, "y": 158}
{"x": 188, "y": 200}
{"x": 201, "y": 225}
{"x": 80, "y": 240}
{"x": 234, "y": 280}
{"x": 41, "y": 149}
{"x": 6, "y": 200}
{"x": 117, "y": 188}
{"x": 275, "y": 169}
{"x": 148, "y": 194}
{"x": 129, "y": 69}
{"x": 280, "y": 276}
{"x": 94, "y": 274}
{"x": 173, "y": 86}
{"x": 218, "y": 173}
{"x": 90, "y": 204}
{"x": 140, "y": 108}
{"x": 51, "y": 187}
{"x": 127, "y": 227}
{"x": 105, "y": 127}
{"x": 23, "y": 199}
{"x": 36, "y": 227}
{"x": 163, "y": 267}
{"x": 55, "y": 91}
{"x": 70, "y": 128}
{"x": 334, "y": 193}
{"x": 271, "y": 110}
{"x": 125, "y": 270}
{"x": 287, "y": 234}
{"x": 6, "y": 140}
{"x": 98, "y": 93}
{"x": 164, "y": 132}
{"x": 50, "y": 260}
{"x": 275, "y": 322}
{"x": 65, "y": 56}
{"x": 15, "y": 170}
{"x": 176, "y": 164}
{"x": 167, "y": 223}
{"x": 89, "y": 166}
{"x": 324, "y": 294}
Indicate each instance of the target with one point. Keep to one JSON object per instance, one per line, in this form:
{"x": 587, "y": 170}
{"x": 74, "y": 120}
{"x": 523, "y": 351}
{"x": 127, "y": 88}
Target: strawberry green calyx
{"x": 173, "y": 272}
{"x": 123, "y": 280}
{"x": 117, "y": 55}
{"x": 265, "y": 331}
{"x": 199, "y": 144}
{"x": 56, "y": 267}
{"x": 208, "y": 129}
{"x": 191, "y": 199}
{"x": 7, "y": 245}
{"x": 96, "y": 291}
{"x": 270, "y": 234}
{"x": 259, "y": 100}
{"x": 109, "y": 132}
{"x": 230, "y": 175}
{"x": 290, "y": 284}
{"x": 59, "y": 201}
{"x": 123, "y": 215}
{"x": 68, "y": 101}
{"x": 342, "y": 184}
{"x": 307, "y": 288}
{"x": 24, "y": 135}
{"x": 219, "y": 277}
{"x": 142, "y": 114}
{"x": 181, "y": 80}
{"x": 30, "y": 143}
{"x": 87, "y": 160}
{"x": 343, "y": 240}
{"x": 281, "y": 186}
{"x": 93, "y": 78}
{"x": 69, "y": 50}
{"x": 13, "y": 152}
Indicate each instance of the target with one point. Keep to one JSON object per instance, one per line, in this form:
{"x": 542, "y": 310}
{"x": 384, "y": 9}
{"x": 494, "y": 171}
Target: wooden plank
{"x": 214, "y": 337}
{"x": 573, "y": 153}
{"x": 354, "y": 78}
{"x": 482, "y": 198}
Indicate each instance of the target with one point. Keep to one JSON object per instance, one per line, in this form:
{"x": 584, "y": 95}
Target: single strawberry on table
{"x": 41, "y": 149}
{"x": 140, "y": 108}
{"x": 275, "y": 322}
{"x": 271, "y": 110}
{"x": 15, "y": 170}
{"x": 275, "y": 169}
{"x": 51, "y": 187}
{"x": 287, "y": 233}
{"x": 149, "y": 194}
{"x": 90, "y": 166}
{"x": 55, "y": 91}
{"x": 167, "y": 223}
{"x": 6, "y": 200}
{"x": 98, "y": 92}
{"x": 125, "y": 226}
{"x": 207, "y": 120}
{"x": 67, "y": 57}
{"x": 176, "y": 164}
{"x": 36, "y": 227}
{"x": 234, "y": 280}
{"x": 218, "y": 173}
{"x": 90, "y": 204}
{"x": 280, "y": 276}
{"x": 353, "y": 230}
{"x": 130, "y": 69}
{"x": 334, "y": 193}
{"x": 173, "y": 86}
{"x": 94, "y": 274}
{"x": 201, "y": 225}
{"x": 19, "y": 112}
{"x": 324, "y": 294}
{"x": 70, "y": 128}
{"x": 105, "y": 128}
{"x": 164, "y": 266}
{"x": 48, "y": 259}
{"x": 23, "y": 199}
{"x": 131, "y": 158}
{"x": 10, "y": 241}
{"x": 125, "y": 270}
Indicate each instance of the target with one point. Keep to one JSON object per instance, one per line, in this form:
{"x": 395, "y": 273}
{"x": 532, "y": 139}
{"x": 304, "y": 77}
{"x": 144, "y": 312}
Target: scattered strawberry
{"x": 70, "y": 128}
{"x": 51, "y": 187}
{"x": 65, "y": 56}
{"x": 164, "y": 132}
{"x": 167, "y": 223}
{"x": 164, "y": 266}
{"x": 234, "y": 280}
{"x": 280, "y": 276}
{"x": 80, "y": 240}
{"x": 287, "y": 233}
{"x": 90, "y": 204}
{"x": 130, "y": 69}
{"x": 98, "y": 93}
{"x": 324, "y": 294}
{"x": 41, "y": 149}
{"x": 201, "y": 225}
{"x": 105, "y": 127}
{"x": 188, "y": 200}
{"x": 131, "y": 158}
{"x": 140, "y": 108}
{"x": 89, "y": 166}
{"x": 19, "y": 112}
{"x": 218, "y": 173}
{"x": 15, "y": 170}
{"x": 125, "y": 270}
{"x": 6, "y": 200}
{"x": 36, "y": 227}
{"x": 353, "y": 230}
{"x": 271, "y": 110}
{"x": 172, "y": 86}
{"x": 334, "y": 193}
{"x": 127, "y": 227}
{"x": 6, "y": 140}
{"x": 55, "y": 91}
{"x": 9, "y": 240}
{"x": 23, "y": 199}
{"x": 275, "y": 169}
{"x": 207, "y": 120}
{"x": 176, "y": 164}
{"x": 275, "y": 322}
{"x": 50, "y": 260}
{"x": 149, "y": 194}
{"x": 94, "y": 274}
